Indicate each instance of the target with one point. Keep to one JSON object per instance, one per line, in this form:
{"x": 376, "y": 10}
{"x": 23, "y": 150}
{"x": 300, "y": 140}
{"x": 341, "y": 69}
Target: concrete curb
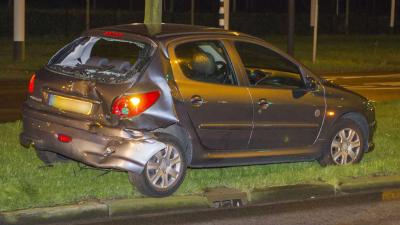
{"x": 147, "y": 205}
{"x": 369, "y": 184}
{"x": 292, "y": 193}
{"x": 387, "y": 187}
{"x": 55, "y": 214}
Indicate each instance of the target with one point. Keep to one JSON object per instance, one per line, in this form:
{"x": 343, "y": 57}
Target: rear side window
{"x": 205, "y": 61}
{"x": 265, "y": 67}
{"x": 103, "y": 59}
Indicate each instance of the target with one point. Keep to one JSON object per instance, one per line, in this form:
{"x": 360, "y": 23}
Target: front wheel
{"x": 163, "y": 173}
{"x": 345, "y": 146}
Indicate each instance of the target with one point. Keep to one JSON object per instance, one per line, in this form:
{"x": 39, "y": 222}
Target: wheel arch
{"x": 181, "y": 135}
{"x": 360, "y": 120}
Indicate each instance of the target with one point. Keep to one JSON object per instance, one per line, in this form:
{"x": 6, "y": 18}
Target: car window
{"x": 265, "y": 67}
{"x": 102, "y": 59}
{"x": 205, "y": 61}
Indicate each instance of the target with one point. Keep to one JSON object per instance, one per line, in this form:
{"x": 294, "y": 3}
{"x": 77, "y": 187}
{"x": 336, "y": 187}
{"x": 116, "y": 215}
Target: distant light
{"x": 235, "y": 33}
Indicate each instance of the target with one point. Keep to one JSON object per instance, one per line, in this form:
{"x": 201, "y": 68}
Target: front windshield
{"x": 101, "y": 59}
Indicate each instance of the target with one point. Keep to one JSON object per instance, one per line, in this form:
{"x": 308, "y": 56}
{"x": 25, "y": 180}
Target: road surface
{"x": 364, "y": 209}
{"x": 375, "y": 87}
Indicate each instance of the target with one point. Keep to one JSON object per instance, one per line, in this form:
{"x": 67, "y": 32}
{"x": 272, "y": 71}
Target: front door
{"x": 287, "y": 115}
{"x": 219, "y": 108}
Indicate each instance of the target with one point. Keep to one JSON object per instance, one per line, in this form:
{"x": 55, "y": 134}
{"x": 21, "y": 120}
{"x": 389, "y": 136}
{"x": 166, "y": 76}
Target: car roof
{"x": 166, "y": 30}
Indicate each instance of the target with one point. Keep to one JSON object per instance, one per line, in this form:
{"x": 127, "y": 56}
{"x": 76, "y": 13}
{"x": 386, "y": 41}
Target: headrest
{"x": 120, "y": 65}
{"x": 96, "y": 61}
{"x": 203, "y": 63}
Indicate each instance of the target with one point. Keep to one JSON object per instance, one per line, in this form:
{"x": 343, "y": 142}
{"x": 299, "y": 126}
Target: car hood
{"x": 341, "y": 90}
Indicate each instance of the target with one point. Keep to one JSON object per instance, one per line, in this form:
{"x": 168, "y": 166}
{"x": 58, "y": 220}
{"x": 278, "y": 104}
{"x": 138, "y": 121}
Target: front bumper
{"x": 103, "y": 147}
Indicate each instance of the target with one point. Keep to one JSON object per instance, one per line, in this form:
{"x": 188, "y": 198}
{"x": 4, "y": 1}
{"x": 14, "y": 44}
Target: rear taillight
{"x": 31, "y": 85}
{"x": 133, "y": 105}
{"x": 64, "y": 138}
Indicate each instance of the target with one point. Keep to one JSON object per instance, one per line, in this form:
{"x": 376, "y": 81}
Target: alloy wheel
{"x": 164, "y": 168}
{"x": 345, "y": 146}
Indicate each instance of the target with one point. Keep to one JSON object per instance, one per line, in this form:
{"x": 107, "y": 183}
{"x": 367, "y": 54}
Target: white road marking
{"x": 335, "y": 77}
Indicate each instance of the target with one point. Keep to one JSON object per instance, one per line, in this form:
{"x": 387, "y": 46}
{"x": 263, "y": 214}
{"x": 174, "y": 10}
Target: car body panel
{"x": 292, "y": 117}
{"x": 288, "y": 120}
{"x": 224, "y": 119}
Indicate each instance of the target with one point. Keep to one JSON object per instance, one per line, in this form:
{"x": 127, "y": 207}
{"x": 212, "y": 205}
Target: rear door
{"x": 219, "y": 108}
{"x": 287, "y": 115}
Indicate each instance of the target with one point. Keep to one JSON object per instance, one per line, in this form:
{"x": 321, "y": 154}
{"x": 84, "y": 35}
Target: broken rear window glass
{"x": 101, "y": 59}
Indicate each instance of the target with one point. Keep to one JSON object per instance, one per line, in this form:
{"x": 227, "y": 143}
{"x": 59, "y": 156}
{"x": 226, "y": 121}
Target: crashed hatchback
{"x": 153, "y": 100}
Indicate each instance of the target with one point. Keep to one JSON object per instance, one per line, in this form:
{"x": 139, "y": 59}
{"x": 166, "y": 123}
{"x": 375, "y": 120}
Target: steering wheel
{"x": 258, "y": 76}
{"x": 221, "y": 66}
{"x": 222, "y": 71}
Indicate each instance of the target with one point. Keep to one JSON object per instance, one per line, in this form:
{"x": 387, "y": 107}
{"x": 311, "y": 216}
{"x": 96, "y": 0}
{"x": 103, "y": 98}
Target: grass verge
{"x": 336, "y": 54}
{"x": 25, "y": 183}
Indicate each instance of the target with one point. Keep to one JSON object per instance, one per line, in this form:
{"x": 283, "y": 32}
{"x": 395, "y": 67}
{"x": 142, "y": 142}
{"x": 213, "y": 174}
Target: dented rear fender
{"x": 162, "y": 114}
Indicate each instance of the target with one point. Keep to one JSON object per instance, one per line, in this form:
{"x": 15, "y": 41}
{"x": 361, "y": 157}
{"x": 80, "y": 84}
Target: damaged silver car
{"x": 153, "y": 100}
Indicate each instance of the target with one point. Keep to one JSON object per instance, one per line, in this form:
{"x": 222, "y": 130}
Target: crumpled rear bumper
{"x": 111, "y": 148}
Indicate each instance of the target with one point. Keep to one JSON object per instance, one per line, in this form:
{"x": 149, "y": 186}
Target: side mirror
{"x": 311, "y": 83}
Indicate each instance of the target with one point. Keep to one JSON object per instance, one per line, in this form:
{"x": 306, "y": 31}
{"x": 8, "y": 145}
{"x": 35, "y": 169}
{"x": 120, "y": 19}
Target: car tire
{"x": 50, "y": 158}
{"x": 345, "y": 145}
{"x": 157, "y": 178}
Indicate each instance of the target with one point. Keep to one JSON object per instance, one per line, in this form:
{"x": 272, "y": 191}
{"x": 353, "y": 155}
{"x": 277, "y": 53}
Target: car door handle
{"x": 197, "y": 100}
{"x": 263, "y": 103}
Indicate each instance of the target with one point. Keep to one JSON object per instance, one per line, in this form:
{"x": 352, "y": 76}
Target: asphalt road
{"x": 375, "y": 87}
{"x": 363, "y": 209}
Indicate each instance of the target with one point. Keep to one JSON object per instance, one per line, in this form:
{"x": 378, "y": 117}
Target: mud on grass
{"x": 25, "y": 183}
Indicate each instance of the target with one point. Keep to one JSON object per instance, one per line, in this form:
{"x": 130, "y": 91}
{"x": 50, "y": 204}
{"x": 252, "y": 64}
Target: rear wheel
{"x": 49, "y": 158}
{"x": 163, "y": 173}
{"x": 345, "y": 146}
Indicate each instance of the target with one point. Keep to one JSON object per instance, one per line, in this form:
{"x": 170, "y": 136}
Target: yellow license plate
{"x": 70, "y": 104}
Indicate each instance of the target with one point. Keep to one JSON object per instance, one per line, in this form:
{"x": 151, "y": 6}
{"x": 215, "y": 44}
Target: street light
{"x": 291, "y": 21}
{"x": 223, "y": 21}
{"x": 87, "y": 14}
{"x": 314, "y": 24}
{"x": 19, "y": 30}
{"x": 392, "y": 15}
{"x": 192, "y": 12}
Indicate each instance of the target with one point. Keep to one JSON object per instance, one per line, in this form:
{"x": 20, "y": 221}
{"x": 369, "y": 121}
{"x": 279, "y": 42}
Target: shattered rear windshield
{"x": 101, "y": 59}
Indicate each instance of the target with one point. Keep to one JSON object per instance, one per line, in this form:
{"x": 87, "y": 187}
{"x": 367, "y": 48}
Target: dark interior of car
{"x": 115, "y": 65}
